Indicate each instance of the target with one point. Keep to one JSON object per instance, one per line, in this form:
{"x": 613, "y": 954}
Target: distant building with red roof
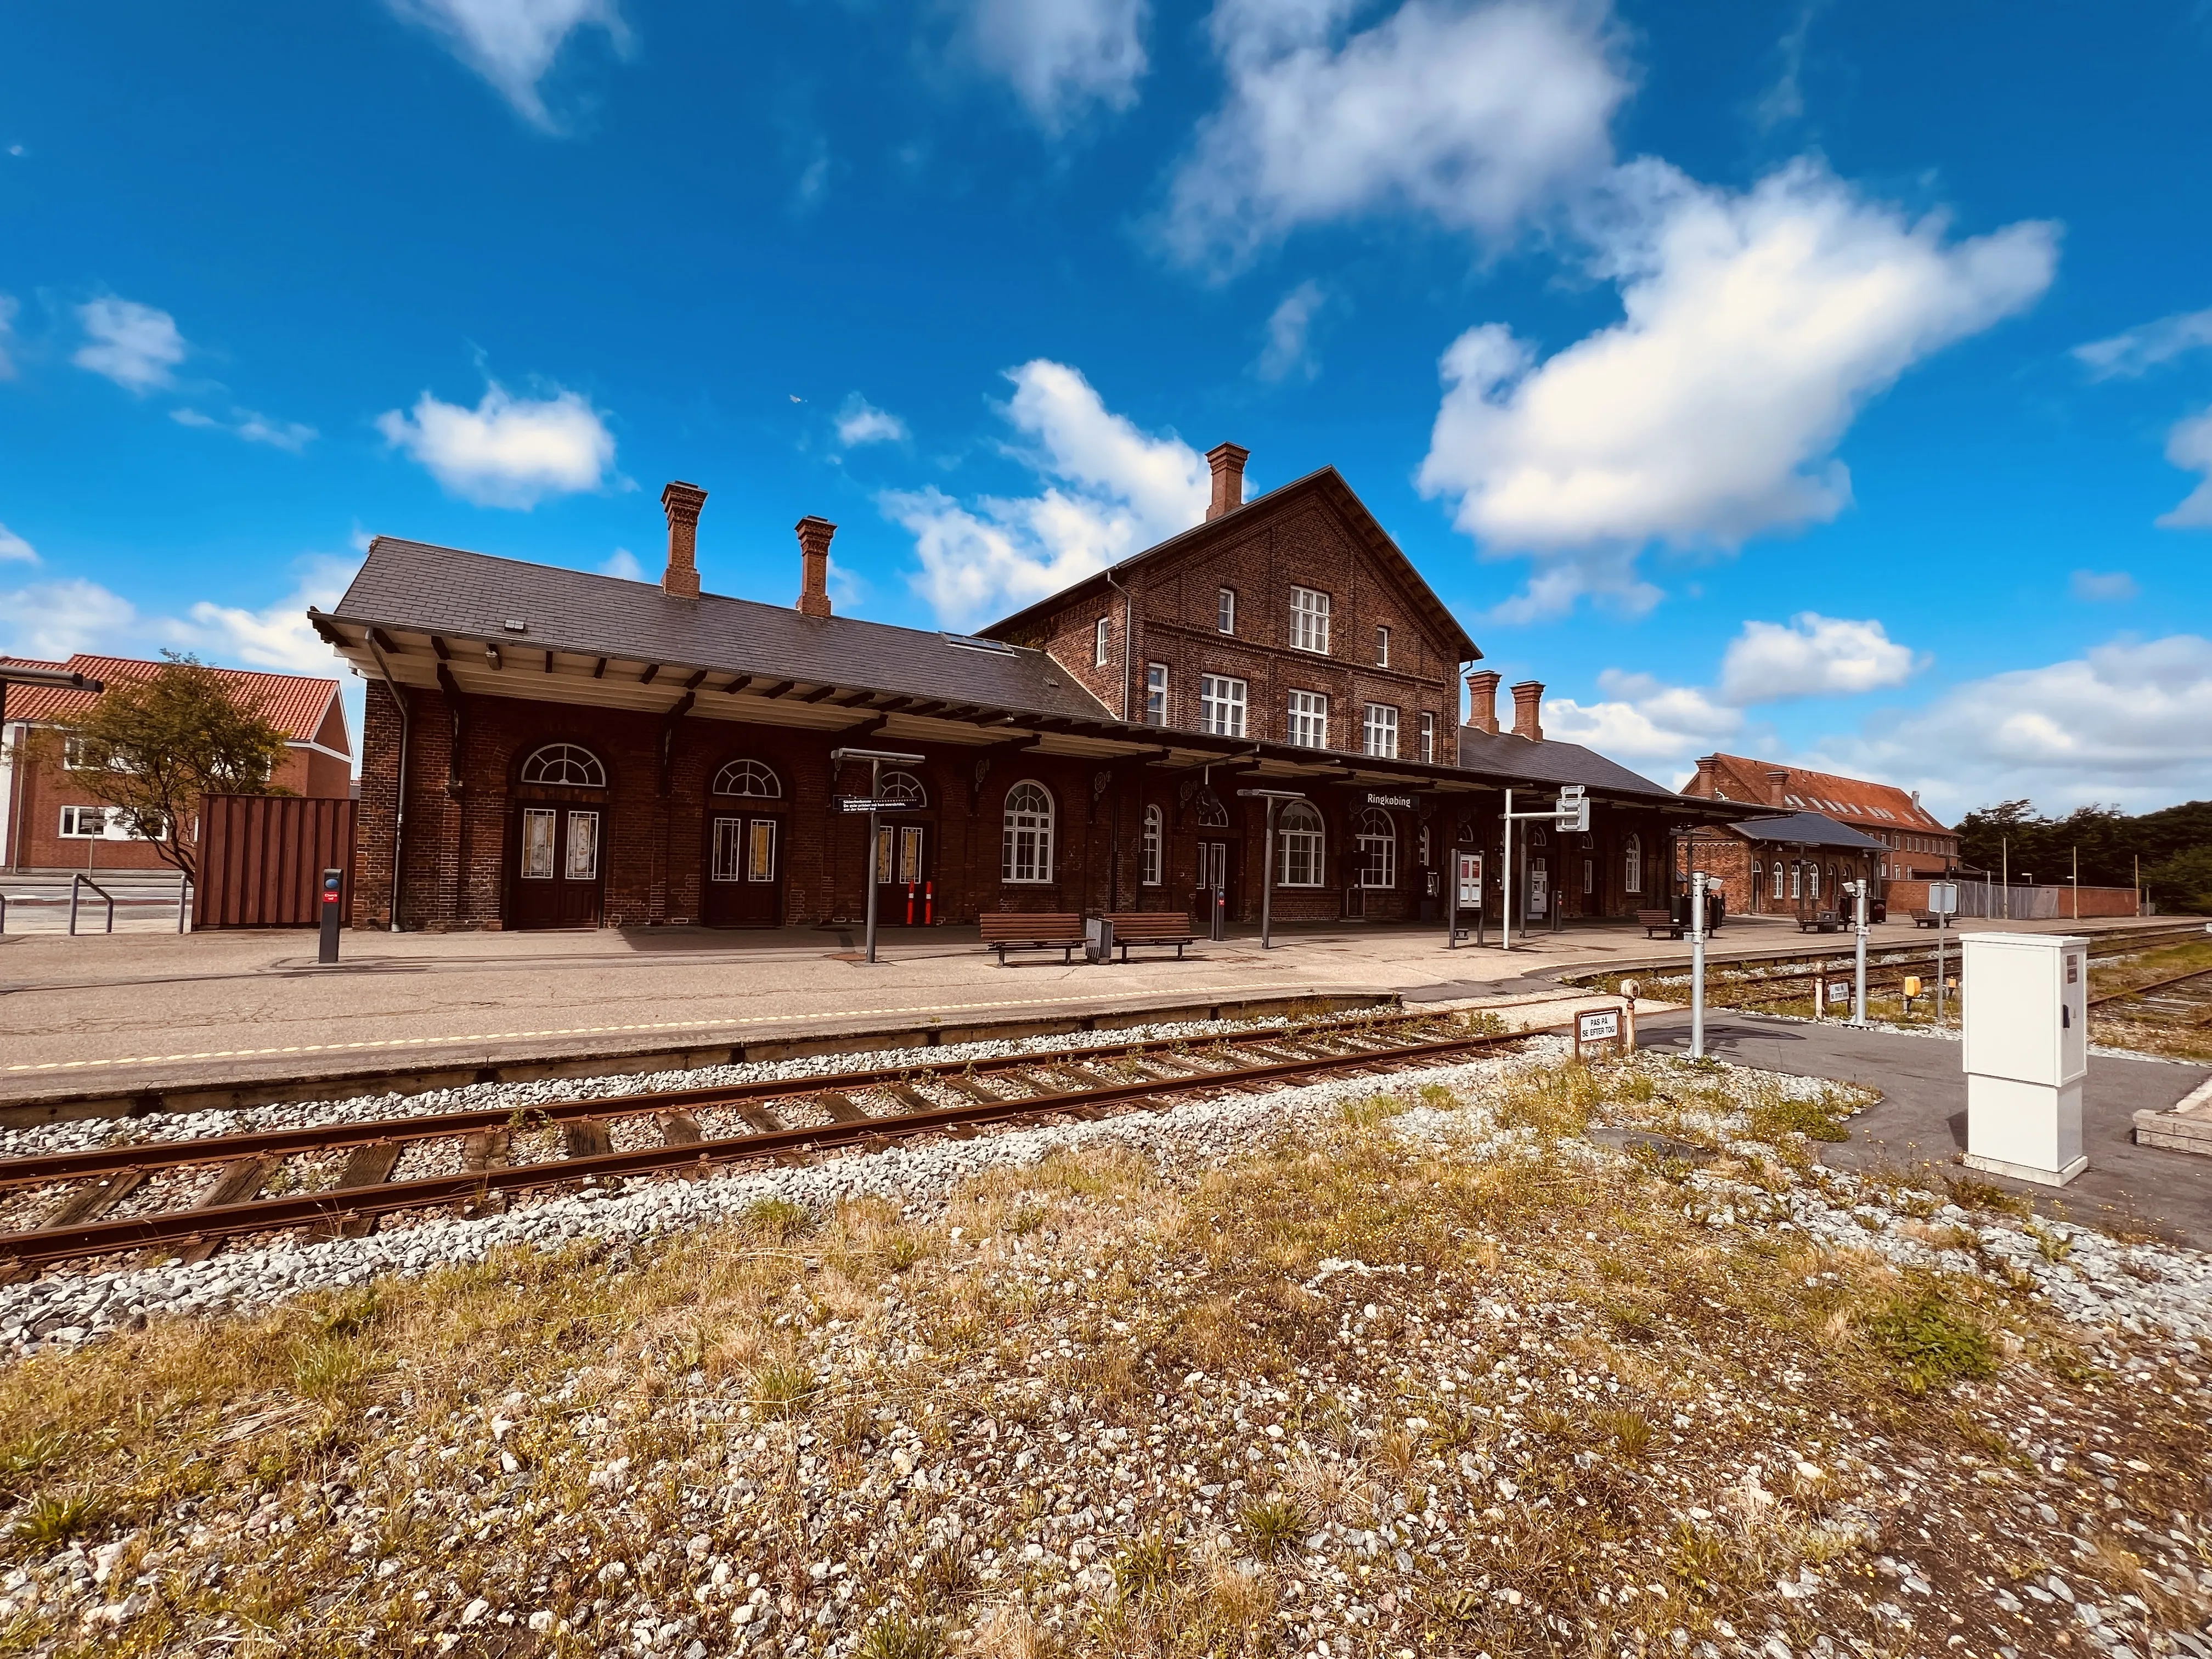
{"x": 49, "y": 823}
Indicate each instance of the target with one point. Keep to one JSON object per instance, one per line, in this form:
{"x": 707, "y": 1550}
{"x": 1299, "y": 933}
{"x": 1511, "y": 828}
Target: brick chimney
{"x": 1708, "y": 781}
{"x": 1529, "y": 710}
{"x": 1778, "y": 784}
{"x": 814, "y": 535}
{"x": 682, "y": 502}
{"x": 1227, "y": 461}
{"x": 1482, "y": 699}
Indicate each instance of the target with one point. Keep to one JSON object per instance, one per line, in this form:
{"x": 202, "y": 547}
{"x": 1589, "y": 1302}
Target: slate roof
{"x": 295, "y": 704}
{"x": 1503, "y": 755}
{"x": 1806, "y": 829}
{"x": 424, "y": 588}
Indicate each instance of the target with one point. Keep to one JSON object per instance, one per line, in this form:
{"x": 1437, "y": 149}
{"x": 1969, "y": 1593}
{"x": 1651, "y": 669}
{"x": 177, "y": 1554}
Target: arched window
{"x": 1377, "y": 843}
{"x": 1777, "y": 878}
{"x": 1813, "y": 881}
{"x": 1631, "y": 864}
{"x": 1299, "y": 846}
{"x": 1212, "y": 814}
{"x": 750, "y": 778}
{"x": 1154, "y": 834}
{"x": 1026, "y": 852}
{"x": 903, "y": 786}
{"x": 565, "y": 763}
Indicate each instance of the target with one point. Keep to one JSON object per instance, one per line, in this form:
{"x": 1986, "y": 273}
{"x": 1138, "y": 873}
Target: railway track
{"x": 1901, "y": 962}
{"x": 191, "y": 1198}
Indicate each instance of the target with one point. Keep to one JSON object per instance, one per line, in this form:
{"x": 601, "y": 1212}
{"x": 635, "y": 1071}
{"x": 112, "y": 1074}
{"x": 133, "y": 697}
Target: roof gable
{"x": 1850, "y": 800}
{"x": 1327, "y": 485}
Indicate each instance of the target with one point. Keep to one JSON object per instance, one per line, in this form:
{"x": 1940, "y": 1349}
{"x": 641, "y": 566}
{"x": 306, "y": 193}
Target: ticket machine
{"x": 2024, "y": 1003}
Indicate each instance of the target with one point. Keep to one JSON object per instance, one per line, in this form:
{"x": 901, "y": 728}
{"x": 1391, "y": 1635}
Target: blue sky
{"x": 1827, "y": 383}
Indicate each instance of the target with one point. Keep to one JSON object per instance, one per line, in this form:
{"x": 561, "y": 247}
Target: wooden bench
{"x": 1151, "y": 928}
{"x": 1820, "y": 921}
{"x": 1004, "y": 931}
{"x": 1926, "y": 919}
{"x": 1656, "y": 921}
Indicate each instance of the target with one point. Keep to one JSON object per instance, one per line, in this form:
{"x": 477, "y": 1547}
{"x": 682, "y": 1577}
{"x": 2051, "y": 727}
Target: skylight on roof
{"x": 970, "y": 642}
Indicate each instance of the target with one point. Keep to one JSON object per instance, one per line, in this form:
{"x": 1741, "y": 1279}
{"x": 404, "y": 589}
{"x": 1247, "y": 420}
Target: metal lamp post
{"x": 877, "y": 760}
{"x": 1274, "y": 798}
{"x": 1569, "y": 814}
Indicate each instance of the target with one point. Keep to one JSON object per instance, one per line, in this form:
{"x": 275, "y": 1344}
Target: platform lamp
{"x": 877, "y": 760}
{"x": 1274, "y": 798}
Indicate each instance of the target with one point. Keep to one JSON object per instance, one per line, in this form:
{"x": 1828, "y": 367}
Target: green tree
{"x": 2183, "y": 882}
{"x": 152, "y": 747}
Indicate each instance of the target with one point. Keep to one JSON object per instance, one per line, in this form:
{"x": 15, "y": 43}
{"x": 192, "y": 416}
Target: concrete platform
{"x": 144, "y": 1013}
{"x": 1920, "y": 1126}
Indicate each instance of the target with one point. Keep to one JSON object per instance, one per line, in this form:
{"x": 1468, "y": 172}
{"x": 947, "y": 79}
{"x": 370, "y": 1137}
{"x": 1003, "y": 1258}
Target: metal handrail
{"x": 79, "y": 882}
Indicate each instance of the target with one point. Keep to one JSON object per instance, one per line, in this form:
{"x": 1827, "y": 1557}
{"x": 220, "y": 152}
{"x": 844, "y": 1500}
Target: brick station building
{"x": 1896, "y": 842}
{"x": 576, "y": 750}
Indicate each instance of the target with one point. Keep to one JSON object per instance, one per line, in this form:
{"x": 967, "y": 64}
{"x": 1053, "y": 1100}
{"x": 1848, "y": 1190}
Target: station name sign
{"x": 1375, "y": 799}
{"x": 862, "y": 803}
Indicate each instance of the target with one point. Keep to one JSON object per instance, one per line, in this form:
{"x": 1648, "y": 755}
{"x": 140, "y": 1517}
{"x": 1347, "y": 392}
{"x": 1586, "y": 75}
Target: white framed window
{"x": 1382, "y": 648}
{"x": 1428, "y": 736}
{"x": 1377, "y": 846}
{"x": 1221, "y": 705}
{"x": 1151, "y": 846}
{"x": 1307, "y": 724}
{"x": 84, "y": 823}
{"x": 1299, "y": 846}
{"x": 1156, "y": 694}
{"x": 749, "y": 778}
{"x": 1225, "y": 610}
{"x": 1379, "y": 735}
{"x": 1026, "y": 853}
{"x": 1631, "y": 864}
{"x": 583, "y": 847}
{"x": 565, "y": 763}
{"x": 1102, "y": 642}
{"x": 538, "y": 829}
{"x": 1309, "y": 620}
{"x": 1796, "y": 881}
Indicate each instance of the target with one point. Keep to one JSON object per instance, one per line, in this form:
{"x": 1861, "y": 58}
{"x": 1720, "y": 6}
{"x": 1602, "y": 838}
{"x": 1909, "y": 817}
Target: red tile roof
{"x": 295, "y": 704}
{"x": 1848, "y": 800}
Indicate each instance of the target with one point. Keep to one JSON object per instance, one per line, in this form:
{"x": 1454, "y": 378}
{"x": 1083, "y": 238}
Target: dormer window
{"x": 1310, "y": 621}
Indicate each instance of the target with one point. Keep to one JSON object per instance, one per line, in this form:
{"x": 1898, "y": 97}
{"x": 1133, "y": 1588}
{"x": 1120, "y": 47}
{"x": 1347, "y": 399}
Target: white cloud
{"x": 2188, "y": 445}
{"x": 7, "y": 334}
{"x": 508, "y": 451}
{"x": 52, "y": 619}
{"x": 1061, "y": 56}
{"x": 1640, "y": 719}
{"x": 1475, "y": 115}
{"x": 2103, "y": 587}
{"x": 135, "y": 346}
{"x": 1811, "y": 656}
{"x": 2141, "y": 349}
{"x": 2130, "y": 722}
{"x": 1289, "y": 350}
{"x": 513, "y": 43}
{"x": 1110, "y": 490}
{"x": 860, "y": 422}
{"x": 14, "y": 547}
{"x": 278, "y": 636}
{"x": 1756, "y": 326}
{"x": 622, "y": 563}
{"x": 289, "y": 436}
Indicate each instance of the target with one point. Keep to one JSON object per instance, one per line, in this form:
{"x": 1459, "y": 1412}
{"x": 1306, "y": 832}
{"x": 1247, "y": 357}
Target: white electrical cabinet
{"x": 2024, "y": 1005}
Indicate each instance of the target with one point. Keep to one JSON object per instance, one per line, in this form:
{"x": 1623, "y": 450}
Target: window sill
{"x": 1026, "y": 881}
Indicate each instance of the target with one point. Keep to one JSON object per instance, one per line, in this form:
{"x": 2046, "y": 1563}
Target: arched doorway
{"x": 557, "y": 839}
{"x": 744, "y": 849}
{"x": 1217, "y": 860}
{"x": 906, "y": 854}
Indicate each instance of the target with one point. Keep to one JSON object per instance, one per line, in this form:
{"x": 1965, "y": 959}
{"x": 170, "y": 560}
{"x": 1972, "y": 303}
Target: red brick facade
{"x": 1918, "y": 845}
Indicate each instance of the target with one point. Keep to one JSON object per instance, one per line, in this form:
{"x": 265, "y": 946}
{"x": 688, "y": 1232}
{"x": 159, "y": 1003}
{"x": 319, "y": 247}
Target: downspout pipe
{"x": 400, "y": 794}
{"x": 1128, "y": 641}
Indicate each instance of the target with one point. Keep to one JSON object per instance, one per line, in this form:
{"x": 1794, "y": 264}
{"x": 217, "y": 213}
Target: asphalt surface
{"x": 1920, "y": 1124}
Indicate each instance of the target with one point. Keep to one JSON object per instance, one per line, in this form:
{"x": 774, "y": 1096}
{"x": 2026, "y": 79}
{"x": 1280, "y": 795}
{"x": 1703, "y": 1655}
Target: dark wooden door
{"x": 744, "y": 871}
{"x": 902, "y": 875}
{"x": 1213, "y": 870}
{"x": 559, "y": 866}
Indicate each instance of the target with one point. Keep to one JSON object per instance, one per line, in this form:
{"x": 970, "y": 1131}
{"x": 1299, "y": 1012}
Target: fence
{"x": 261, "y": 858}
{"x": 1988, "y": 900}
